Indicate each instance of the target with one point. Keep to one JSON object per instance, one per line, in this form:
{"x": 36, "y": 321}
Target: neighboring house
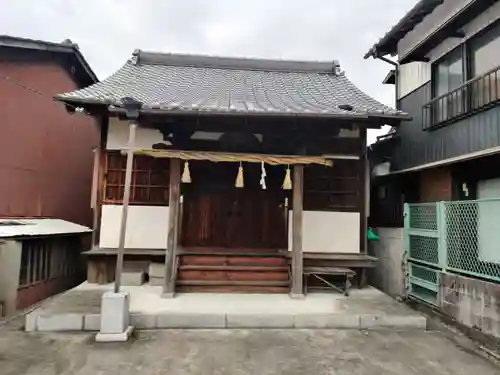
{"x": 207, "y": 117}
{"x": 46, "y": 165}
{"x": 39, "y": 258}
{"x": 447, "y": 78}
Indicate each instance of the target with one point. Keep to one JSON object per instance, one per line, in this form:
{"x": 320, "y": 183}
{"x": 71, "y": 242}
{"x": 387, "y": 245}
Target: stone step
{"x": 91, "y": 322}
{"x": 132, "y": 278}
{"x": 156, "y": 270}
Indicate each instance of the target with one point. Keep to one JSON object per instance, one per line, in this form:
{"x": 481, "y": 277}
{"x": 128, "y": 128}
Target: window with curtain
{"x": 448, "y": 76}
{"x": 484, "y": 57}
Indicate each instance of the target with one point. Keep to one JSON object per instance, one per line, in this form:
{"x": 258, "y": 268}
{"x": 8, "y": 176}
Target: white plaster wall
{"x": 472, "y": 28}
{"x": 488, "y": 212}
{"x": 430, "y": 23}
{"x": 147, "y": 227}
{"x": 381, "y": 169}
{"x": 328, "y": 232}
{"x": 118, "y": 136}
{"x": 145, "y": 138}
{"x": 412, "y": 76}
{"x": 415, "y": 74}
{"x": 349, "y": 133}
{"x": 367, "y": 189}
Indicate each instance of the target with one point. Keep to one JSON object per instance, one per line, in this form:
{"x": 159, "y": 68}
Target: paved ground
{"x": 86, "y": 298}
{"x": 242, "y": 352}
{"x": 79, "y": 308}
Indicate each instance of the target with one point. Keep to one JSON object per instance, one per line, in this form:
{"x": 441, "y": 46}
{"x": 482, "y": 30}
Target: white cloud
{"x": 107, "y": 31}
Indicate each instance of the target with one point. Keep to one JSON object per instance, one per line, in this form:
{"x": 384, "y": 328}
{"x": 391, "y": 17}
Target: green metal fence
{"x": 460, "y": 237}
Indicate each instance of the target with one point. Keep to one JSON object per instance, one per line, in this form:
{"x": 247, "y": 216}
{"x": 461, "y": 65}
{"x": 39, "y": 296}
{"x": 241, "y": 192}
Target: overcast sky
{"x": 108, "y": 31}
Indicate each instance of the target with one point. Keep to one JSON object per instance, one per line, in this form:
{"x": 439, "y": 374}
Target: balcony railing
{"x": 475, "y": 95}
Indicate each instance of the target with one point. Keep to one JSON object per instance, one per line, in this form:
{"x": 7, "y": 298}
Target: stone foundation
{"x": 471, "y": 302}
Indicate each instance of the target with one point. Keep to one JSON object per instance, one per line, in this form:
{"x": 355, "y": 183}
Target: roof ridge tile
{"x": 235, "y": 63}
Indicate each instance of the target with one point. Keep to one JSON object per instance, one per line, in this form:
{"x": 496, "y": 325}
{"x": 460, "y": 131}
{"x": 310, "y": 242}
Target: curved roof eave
{"x": 199, "y": 85}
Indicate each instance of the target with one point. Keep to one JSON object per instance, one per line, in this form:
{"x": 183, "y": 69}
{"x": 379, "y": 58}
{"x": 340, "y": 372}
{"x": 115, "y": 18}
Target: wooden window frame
{"x": 149, "y": 167}
{"x": 36, "y": 263}
{"x": 334, "y": 189}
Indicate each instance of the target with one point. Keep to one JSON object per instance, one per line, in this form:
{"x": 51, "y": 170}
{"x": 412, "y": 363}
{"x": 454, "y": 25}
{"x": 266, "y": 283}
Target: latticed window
{"x": 46, "y": 259}
{"x": 335, "y": 188}
{"x": 150, "y": 179}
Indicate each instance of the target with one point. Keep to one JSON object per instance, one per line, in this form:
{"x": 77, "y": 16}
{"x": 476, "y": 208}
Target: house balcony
{"x": 474, "y": 96}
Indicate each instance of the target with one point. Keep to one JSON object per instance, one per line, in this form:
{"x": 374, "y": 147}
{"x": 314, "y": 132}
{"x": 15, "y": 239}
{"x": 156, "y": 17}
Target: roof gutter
{"x": 396, "y": 76}
{"x": 114, "y": 109}
{"x": 358, "y": 117}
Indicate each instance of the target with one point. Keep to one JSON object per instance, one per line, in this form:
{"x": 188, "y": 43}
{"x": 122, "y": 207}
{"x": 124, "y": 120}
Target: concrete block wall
{"x": 10, "y": 263}
{"x": 471, "y": 302}
{"x": 388, "y": 275}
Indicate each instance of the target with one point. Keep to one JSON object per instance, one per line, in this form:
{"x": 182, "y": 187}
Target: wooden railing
{"x": 475, "y": 95}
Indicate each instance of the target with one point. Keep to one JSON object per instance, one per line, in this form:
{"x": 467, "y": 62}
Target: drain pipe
{"x": 396, "y": 75}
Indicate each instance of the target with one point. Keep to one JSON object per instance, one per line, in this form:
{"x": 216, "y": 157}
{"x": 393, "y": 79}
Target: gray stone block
{"x": 133, "y": 278}
{"x": 115, "y": 337}
{"x": 92, "y": 322}
{"x": 259, "y": 320}
{"x": 327, "y": 321}
{"x": 143, "y": 321}
{"x": 60, "y": 322}
{"x": 180, "y": 320}
{"x": 157, "y": 270}
{"x": 369, "y": 321}
{"x": 115, "y": 312}
{"x": 30, "y": 321}
{"x": 156, "y": 281}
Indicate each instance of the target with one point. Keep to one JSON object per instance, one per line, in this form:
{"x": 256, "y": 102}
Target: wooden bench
{"x": 320, "y": 272}
{"x": 360, "y": 263}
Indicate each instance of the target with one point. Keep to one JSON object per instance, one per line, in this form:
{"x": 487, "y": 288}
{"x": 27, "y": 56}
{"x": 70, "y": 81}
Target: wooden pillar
{"x": 363, "y": 193}
{"x": 126, "y": 199}
{"x": 94, "y": 201}
{"x": 100, "y": 158}
{"x": 297, "y": 258}
{"x": 364, "y": 175}
{"x": 173, "y": 227}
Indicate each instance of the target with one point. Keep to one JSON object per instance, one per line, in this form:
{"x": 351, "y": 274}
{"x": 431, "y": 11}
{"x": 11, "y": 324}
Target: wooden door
{"x": 234, "y": 218}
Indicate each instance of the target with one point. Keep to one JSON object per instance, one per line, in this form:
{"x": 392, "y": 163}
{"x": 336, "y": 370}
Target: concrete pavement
{"x": 242, "y": 352}
{"x": 79, "y": 308}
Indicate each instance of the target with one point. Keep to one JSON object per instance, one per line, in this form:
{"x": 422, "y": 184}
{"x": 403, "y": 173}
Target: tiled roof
{"x": 205, "y": 84}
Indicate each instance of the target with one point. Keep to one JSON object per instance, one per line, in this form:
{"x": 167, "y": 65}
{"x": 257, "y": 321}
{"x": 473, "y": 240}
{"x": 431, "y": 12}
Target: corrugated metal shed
{"x": 10, "y": 228}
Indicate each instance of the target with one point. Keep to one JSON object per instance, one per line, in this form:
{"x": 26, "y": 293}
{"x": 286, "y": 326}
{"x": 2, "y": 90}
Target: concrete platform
{"x": 78, "y": 309}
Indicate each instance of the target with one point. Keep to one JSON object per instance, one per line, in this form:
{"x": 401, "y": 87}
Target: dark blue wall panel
{"x": 416, "y": 147}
